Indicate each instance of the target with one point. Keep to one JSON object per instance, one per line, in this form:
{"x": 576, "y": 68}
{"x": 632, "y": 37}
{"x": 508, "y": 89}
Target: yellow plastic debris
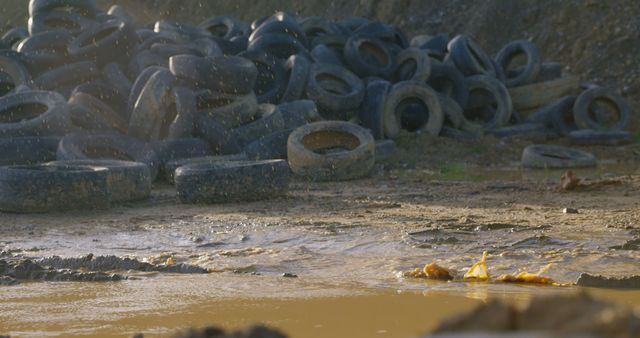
{"x": 434, "y": 271}
{"x": 526, "y": 277}
{"x": 415, "y": 273}
{"x": 478, "y": 271}
{"x": 170, "y": 261}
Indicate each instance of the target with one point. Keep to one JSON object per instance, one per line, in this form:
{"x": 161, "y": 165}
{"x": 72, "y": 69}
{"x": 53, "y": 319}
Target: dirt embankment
{"x": 597, "y": 40}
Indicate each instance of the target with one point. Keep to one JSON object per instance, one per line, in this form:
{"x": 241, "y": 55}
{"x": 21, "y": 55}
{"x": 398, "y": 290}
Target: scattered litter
{"x": 478, "y": 271}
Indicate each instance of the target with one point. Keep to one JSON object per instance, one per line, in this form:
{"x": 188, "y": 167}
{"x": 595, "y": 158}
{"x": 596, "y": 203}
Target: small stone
{"x": 570, "y": 211}
{"x": 289, "y": 275}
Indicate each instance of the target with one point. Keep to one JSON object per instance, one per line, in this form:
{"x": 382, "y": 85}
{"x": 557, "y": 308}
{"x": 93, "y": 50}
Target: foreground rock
{"x": 11, "y": 272}
{"x": 631, "y": 282}
{"x": 113, "y": 263}
{"x": 569, "y": 315}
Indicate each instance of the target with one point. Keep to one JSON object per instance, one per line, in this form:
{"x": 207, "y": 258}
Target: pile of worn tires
{"x": 228, "y": 110}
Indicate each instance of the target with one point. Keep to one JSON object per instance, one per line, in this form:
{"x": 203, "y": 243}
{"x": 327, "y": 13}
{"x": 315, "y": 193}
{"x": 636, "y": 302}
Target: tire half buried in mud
{"x": 232, "y": 181}
{"x": 41, "y": 188}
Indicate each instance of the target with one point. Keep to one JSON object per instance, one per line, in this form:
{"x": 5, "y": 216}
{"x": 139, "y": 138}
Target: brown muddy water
{"x": 347, "y": 243}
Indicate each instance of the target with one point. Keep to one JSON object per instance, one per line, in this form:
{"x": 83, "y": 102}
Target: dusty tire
{"x": 469, "y": 57}
{"x": 72, "y": 74}
{"x": 530, "y": 72}
{"x": 27, "y": 150}
{"x": 446, "y": 79}
{"x": 170, "y": 150}
{"x": 42, "y": 188}
{"x": 582, "y": 113}
{"x": 219, "y": 138}
{"x": 224, "y": 27}
{"x": 539, "y": 94}
{"x": 272, "y": 146}
{"x": 372, "y": 114}
{"x": 298, "y": 67}
{"x": 600, "y": 137}
{"x": 280, "y": 45}
{"x": 401, "y": 98}
{"x": 184, "y": 101}
{"x": 453, "y": 113}
{"x": 83, "y": 7}
{"x": 324, "y": 54}
{"x": 561, "y": 115}
{"x": 151, "y": 118}
{"x": 306, "y": 109}
{"x": 322, "y": 87}
{"x": 91, "y": 113}
{"x": 46, "y": 50}
{"x": 556, "y": 157}
{"x": 109, "y": 41}
{"x": 126, "y": 181}
{"x": 228, "y": 74}
{"x": 33, "y": 113}
{"x": 227, "y": 110}
{"x": 306, "y": 145}
{"x": 169, "y": 168}
{"x": 138, "y": 84}
{"x": 272, "y": 78}
{"x": 368, "y": 56}
{"x": 112, "y": 74}
{"x": 500, "y": 95}
{"x": 412, "y": 64}
{"x": 107, "y": 147}
{"x": 235, "y": 181}
{"x": 17, "y": 74}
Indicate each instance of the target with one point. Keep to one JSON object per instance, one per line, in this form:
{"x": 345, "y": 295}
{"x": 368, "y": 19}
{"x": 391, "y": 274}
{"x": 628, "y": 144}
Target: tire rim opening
{"x": 330, "y": 141}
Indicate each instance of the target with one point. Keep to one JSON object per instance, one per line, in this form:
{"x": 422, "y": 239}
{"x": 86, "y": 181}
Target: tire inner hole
{"x": 604, "y": 112}
{"x": 330, "y": 141}
{"x": 482, "y": 106}
{"x": 333, "y": 84}
{"x": 373, "y": 55}
{"x": 414, "y": 113}
{"x": 407, "y": 69}
{"x": 21, "y": 112}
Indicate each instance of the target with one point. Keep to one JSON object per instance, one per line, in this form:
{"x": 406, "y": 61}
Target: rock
{"x": 289, "y": 275}
{"x": 7, "y": 281}
{"x": 631, "y": 282}
{"x": 570, "y": 211}
{"x": 215, "y": 332}
{"x": 113, "y": 263}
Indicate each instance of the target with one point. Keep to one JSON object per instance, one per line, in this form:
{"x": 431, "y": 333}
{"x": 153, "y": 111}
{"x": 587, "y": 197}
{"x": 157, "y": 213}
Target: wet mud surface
{"x": 323, "y": 241}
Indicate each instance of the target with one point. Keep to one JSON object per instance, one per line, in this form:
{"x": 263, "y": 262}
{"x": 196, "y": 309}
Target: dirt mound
{"x": 596, "y": 40}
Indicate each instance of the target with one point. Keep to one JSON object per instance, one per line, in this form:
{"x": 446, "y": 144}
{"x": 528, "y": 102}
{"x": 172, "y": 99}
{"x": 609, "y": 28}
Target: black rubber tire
{"x": 306, "y": 109}
{"x": 151, "y": 118}
{"x": 272, "y": 78}
{"x": 184, "y": 124}
{"x": 533, "y": 131}
{"x": 280, "y": 45}
{"x": 224, "y": 27}
{"x": 412, "y": 64}
{"x": 469, "y": 57}
{"x": 69, "y": 75}
{"x": 334, "y": 42}
{"x": 331, "y": 103}
{"x": 83, "y": 7}
{"x": 121, "y": 13}
{"x": 91, "y": 113}
{"x": 227, "y": 110}
{"x": 534, "y": 61}
{"x": 394, "y": 114}
{"x": 561, "y": 115}
{"x": 59, "y": 19}
{"x": 126, "y": 181}
{"x": 27, "y": 150}
{"x": 453, "y": 113}
{"x": 368, "y": 56}
{"x": 297, "y": 68}
{"x": 387, "y": 33}
{"x": 228, "y": 74}
{"x": 46, "y": 50}
{"x": 501, "y": 98}
{"x": 600, "y": 137}
{"x": 179, "y": 31}
{"x": 385, "y": 149}
{"x": 324, "y": 54}
{"x": 314, "y": 26}
{"x": 11, "y": 64}
{"x": 105, "y": 93}
{"x": 353, "y": 23}
{"x": 280, "y": 23}
{"x": 306, "y": 145}
{"x": 171, "y": 150}
{"x": 219, "y": 138}
{"x": 167, "y": 50}
{"x": 139, "y": 84}
{"x": 232, "y": 181}
{"x": 434, "y": 45}
{"x": 13, "y": 37}
{"x": 143, "y": 60}
{"x": 43, "y": 189}
{"x": 110, "y": 41}
{"x": 107, "y": 146}
{"x": 269, "y": 120}
{"x": 33, "y": 113}
{"x": 555, "y": 157}
{"x": 372, "y": 114}
{"x": 272, "y": 146}
{"x": 581, "y": 109}
{"x": 447, "y": 80}
{"x": 169, "y": 168}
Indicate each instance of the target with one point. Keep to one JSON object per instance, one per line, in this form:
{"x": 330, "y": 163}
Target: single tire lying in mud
{"x": 170, "y": 167}
{"x": 42, "y": 188}
{"x": 33, "y": 113}
{"x": 413, "y": 106}
{"x": 583, "y": 113}
{"x": 555, "y": 157}
{"x": 232, "y": 181}
{"x": 534, "y": 61}
{"x": 126, "y": 181}
{"x": 331, "y": 151}
{"x": 27, "y": 150}
{"x": 109, "y": 146}
{"x": 600, "y": 137}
